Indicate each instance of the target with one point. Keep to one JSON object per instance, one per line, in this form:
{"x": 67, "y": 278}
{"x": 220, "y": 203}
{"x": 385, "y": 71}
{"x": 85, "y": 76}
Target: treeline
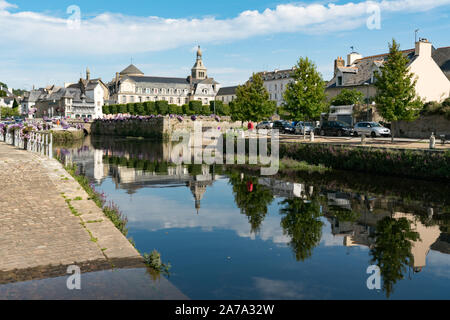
{"x": 164, "y": 108}
{"x": 9, "y": 112}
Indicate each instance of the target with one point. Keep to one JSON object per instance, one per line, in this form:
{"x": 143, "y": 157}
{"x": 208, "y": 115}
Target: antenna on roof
{"x": 353, "y": 48}
{"x": 416, "y": 32}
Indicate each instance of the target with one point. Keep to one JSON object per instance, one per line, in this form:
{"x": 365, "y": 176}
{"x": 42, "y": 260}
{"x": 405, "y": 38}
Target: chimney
{"x": 423, "y": 48}
{"x": 352, "y": 57}
{"x": 338, "y": 63}
{"x": 88, "y": 74}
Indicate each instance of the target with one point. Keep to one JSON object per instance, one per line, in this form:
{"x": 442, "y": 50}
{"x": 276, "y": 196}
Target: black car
{"x": 335, "y": 128}
{"x": 284, "y": 127}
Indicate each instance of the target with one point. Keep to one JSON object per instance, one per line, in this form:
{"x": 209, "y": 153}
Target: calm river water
{"x": 229, "y": 234}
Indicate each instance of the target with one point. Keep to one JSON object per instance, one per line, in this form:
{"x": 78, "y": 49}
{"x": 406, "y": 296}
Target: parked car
{"x": 284, "y": 127}
{"x": 373, "y": 129}
{"x": 304, "y": 127}
{"x": 335, "y": 128}
{"x": 265, "y": 125}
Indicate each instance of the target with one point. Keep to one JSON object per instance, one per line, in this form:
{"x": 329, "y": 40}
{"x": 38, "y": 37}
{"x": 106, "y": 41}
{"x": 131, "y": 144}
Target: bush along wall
{"x": 164, "y": 108}
{"x": 402, "y": 163}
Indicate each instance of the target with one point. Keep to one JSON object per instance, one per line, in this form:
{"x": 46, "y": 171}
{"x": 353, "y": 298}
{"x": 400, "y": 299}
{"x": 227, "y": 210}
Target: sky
{"x": 52, "y": 42}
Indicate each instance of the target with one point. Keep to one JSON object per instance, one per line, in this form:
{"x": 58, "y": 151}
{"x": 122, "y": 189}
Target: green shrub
{"x": 150, "y": 108}
{"x": 196, "y": 107}
{"x": 226, "y": 110}
{"x": 186, "y": 109}
{"x": 206, "y": 111}
{"x": 218, "y": 105}
{"x": 130, "y": 108}
{"x": 139, "y": 109}
{"x": 105, "y": 109}
{"x": 123, "y": 108}
{"x": 410, "y": 163}
{"x": 179, "y": 110}
{"x": 113, "y": 109}
{"x": 173, "y": 109}
{"x": 162, "y": 107}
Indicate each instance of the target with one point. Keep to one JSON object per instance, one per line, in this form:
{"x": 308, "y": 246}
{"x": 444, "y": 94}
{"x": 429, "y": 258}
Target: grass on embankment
{"x": 402, "y": 163}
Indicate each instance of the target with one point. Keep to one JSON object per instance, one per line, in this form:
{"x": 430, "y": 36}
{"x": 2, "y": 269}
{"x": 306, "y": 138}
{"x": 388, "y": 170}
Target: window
{"x": 147, "y": 90}
{"x": 339, "y": 81}
{"x": 155, "y": 90}
{"x": 124, "y": 99}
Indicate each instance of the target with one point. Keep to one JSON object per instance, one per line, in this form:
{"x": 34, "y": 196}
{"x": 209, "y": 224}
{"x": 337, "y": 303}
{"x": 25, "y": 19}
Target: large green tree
{"x": 252, "y": 198}
{"x": 392, "y": 250}
{"x": 348, "y": 97}
{"x": 301, "y": 222}
{"x": 305, "y": 96}
{"x": 396, "y": 96}
{"x": 252, "y": 101}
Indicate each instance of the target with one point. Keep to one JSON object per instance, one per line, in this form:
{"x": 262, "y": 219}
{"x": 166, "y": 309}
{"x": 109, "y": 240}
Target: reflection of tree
{"x": 392, "y": 250}
{"x": 252, "y": 198}
{"x": 343, "y": 214}
{"x": 301, "y": 222}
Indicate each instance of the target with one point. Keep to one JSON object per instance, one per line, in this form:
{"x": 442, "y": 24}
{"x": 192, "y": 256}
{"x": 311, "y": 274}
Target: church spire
{"x": 199, "y": 71}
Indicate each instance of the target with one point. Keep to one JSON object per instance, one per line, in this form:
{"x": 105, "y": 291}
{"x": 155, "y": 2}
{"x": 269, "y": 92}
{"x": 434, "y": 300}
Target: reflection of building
{"x": 286, "y": 189}
{"x": 362, "y": 231}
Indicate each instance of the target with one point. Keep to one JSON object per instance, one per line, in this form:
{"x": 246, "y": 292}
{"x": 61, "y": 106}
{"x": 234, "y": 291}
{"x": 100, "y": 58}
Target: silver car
{"x": 265, "y": 125}
{"x": 373, "y": 129}
{"x": 304, "y": 127}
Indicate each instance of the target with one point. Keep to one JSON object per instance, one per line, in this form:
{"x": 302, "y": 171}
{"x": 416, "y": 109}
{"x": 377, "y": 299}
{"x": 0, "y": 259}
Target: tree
{"x": 252, "y": 101}
{"x": 305, "y": 96}
{"x": 217, "y": 106}
{"x": 396, "y": 96}
{"x": 2, "y": 93}
{"x": 139, "y": 109}
{"x": 348, "y": 97}
{"x": 162, "y": 107}
{"x": 301, "y": 222}
{"x": 106, "y": 109}
{"x": 252, "y": 198}
{"x": 196, "y": 107}
{"x": 15, "y": 104}
{"x": 392, "y": 250}
{"x": 150, "y": 107}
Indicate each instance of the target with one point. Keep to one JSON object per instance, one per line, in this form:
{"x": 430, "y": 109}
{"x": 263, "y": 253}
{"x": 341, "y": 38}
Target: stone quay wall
{"x": 423, "y": 127}
{"x": 160, "y": 127}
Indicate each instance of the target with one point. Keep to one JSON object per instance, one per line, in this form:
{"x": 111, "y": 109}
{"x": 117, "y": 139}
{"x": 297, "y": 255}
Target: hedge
{"x": 404, "y": 163}
{"x": 196, "y": 107}
{"x": 162, "y": 107}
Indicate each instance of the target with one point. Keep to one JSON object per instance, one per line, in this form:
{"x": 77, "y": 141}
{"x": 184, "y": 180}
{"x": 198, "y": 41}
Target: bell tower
{"x": 199, "y": 71}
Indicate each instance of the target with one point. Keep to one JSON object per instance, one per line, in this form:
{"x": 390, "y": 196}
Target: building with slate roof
{"x": 430, "y": 65}
{"x": 131, "y": 86}
{"x": 227, "y": 94}
{"x": 84, "y": 99}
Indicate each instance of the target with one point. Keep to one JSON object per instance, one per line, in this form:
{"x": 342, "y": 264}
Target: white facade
{"x": 432, "y": 84}
{"x": 276, "y": 83}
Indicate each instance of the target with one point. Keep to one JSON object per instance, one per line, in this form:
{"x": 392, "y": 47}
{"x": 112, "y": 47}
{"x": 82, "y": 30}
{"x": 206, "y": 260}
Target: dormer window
{"x": 339, "y": 81}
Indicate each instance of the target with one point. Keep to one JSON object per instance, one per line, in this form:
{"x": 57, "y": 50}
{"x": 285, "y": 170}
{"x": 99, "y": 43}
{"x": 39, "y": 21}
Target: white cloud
{"x": 109, "y": 33}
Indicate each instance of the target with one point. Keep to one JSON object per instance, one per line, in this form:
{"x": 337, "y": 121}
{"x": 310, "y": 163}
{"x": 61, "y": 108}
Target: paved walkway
{"x": 399, "y": 143}
{"x": 37, "y": 228}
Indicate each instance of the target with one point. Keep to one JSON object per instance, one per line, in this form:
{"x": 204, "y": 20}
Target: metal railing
{"x": 38, "y": 142}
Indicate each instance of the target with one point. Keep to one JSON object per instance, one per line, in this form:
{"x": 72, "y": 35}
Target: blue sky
{"x": 237, "y": 37}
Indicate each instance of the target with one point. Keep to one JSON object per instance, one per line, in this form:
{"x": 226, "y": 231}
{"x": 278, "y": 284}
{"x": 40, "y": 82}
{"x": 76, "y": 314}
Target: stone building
{"x": 430, "y": 65}
{"x": 276, "y": 83}
{"x": 227, "y": 94}
{"x": 131, "y": 85}
{"x": 84, "y": 99}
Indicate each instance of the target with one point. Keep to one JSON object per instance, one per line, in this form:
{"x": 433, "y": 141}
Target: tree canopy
{"x": 396, "y": 96}
{"x": 252, "y": 101}
{"x": 305, "y": 96}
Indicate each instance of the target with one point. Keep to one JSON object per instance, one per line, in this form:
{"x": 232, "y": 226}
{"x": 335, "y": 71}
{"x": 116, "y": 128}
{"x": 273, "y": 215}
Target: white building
{"x": 428, "y": 64}
{"x": 276, "y": 83}
{"x": 227, "y": 94}
{"x": 84, "y": 99}
{"x": 131, "y": 86}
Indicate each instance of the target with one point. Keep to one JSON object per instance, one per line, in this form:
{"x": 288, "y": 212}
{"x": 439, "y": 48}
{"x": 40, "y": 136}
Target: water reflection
{"x": 304, "y": 213}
